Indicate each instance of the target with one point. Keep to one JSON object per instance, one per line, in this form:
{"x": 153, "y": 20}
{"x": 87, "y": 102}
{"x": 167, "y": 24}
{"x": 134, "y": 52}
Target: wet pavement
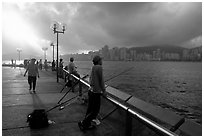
{"x": 18, "y": 102}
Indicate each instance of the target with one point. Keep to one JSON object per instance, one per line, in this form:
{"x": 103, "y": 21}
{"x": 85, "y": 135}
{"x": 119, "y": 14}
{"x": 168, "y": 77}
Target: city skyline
{"x": 151, "y": 53}
{"x": 91, "y": 25}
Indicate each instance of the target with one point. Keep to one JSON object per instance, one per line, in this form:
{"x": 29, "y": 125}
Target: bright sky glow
{"x": 18, "y": 31}
{"x": 92, "y": 25}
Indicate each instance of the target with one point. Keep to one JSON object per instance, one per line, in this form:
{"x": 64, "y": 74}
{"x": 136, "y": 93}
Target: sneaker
{"x": 81, "y": 127}
{"x": 34, "y": 91}
{"x": 96, "y": 121}
{"x": 30, "y": 91}
{"x": 91, "y": 127}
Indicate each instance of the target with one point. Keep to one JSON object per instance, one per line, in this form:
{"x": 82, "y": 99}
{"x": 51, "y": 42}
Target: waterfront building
{"x": 154, "y": 55}
{"x": 133, "y": 54}
{"x": 186, "y": 55}
{"x": 158, "y": 55}
{"x": 105, "y": 52}
{"x": 116, "y": 53}
{"x": 123, "y": 53}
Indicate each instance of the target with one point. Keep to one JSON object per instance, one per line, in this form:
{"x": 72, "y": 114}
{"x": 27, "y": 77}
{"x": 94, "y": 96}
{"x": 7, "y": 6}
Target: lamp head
{"x": 51, "y": 44}
{"x": 64, "y": 27}
{"x": 54, "y": 26}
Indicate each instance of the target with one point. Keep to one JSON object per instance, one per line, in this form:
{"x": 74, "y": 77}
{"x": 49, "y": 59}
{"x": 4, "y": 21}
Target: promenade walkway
{"x": 18, "y": 102}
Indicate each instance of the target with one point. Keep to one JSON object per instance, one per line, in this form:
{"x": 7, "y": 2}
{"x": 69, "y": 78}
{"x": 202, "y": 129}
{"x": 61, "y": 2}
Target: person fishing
{"x": 72, "y": 70}
{"x": 97, "y": 88}
{"x": 32, "y": 70}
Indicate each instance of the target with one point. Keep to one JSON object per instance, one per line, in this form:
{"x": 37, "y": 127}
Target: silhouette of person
{"x": 61, "y": 68}
{"x": 40, "y": 64}
{"x": 72, "y": 70}
{"x": 97, "y": 88}
{"x": 32, "y": 70}
{"x": 45, "y": 65}
{"x": 53, "y": 65}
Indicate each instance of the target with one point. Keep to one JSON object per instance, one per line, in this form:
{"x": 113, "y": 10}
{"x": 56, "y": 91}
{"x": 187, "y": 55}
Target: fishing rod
{"x": 119, "y": 74}
{"x": 72, "y": 87}
{"x": 59, "y": 104}
{"x": 63, "y": 106}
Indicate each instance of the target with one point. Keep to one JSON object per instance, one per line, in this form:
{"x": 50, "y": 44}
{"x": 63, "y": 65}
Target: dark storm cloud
{"x": 129, "y": 24}
{"x": 90, "y": 26}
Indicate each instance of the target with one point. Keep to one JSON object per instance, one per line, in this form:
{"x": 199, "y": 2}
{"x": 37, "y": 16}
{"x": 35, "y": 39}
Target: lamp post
{"x": 53, "y": 50}
{"x": 19, "y": 53}
{"x": 57, "y": 30}
{"x": 45, "y": 49}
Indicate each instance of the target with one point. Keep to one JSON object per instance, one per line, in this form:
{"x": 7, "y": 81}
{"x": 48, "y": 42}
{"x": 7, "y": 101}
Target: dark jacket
{"x": 96, "y": 79}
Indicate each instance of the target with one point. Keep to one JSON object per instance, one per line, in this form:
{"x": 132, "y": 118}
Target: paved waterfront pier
{"x": 18, "y": 102}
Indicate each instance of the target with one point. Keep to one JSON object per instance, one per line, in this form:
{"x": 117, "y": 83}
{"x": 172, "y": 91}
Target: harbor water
{"x": 176, "y": 86}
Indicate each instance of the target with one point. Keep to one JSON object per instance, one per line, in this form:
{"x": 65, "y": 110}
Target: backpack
{"x": 38, "y": 119}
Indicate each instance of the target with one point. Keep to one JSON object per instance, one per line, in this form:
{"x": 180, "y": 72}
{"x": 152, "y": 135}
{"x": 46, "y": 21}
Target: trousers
{"x": 32, "y": 81}
{"x": 94, "y": 103}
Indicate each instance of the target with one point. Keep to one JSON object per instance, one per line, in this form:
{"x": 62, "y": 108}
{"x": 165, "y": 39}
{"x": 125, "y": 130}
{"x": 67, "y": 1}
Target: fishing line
{"x": 62, "y": 107}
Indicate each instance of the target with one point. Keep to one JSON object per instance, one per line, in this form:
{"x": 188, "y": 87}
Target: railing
{"x": 160, "y": 130}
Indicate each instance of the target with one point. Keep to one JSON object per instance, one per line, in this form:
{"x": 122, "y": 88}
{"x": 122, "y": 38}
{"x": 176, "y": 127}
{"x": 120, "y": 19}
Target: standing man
{"x": 32, "y": 70}
{"x": 40, "y": 64}
{"x": 53, "y": 65}
{"x": 61, "y": 68}
{"x": 96, "y": 90}
{"x": 72, "y": 70}
{"x": 45, "y": 65}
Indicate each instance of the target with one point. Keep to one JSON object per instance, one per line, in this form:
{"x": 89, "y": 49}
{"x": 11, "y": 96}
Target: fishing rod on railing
{"x": 84, "y": 78}
{"x": 62, "y": 107}
{"x": 72, "y": 87}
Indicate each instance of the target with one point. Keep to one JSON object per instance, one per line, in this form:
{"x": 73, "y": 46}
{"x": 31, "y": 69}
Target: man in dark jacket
{"x": 96, "y": 90}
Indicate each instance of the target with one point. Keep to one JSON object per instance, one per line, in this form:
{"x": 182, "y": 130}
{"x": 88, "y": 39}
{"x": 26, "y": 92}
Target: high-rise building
{"x": 133, "y": 54}
{"x": 123, "y": 53}
{"x": 185, "y": 54}
{"x": 105, "y": 52}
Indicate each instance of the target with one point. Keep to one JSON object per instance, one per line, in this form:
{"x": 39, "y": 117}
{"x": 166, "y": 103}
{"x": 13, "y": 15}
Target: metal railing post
{"x": 128, "y": 124}
{"x": 80, "y": 88}
{"x": 65, "y": 77}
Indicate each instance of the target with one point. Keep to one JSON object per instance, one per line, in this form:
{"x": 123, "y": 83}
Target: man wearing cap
{"x": 96, "y": 90}
{"x": 32, "y": 70}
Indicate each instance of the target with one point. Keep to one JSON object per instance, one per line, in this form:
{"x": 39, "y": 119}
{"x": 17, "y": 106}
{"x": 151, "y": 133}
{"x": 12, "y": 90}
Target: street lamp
{"x": 45, "y": 49}
{"x": 19, "y": 52}
{"x": 53, "y": 50}
{"x": 57, "y": 30}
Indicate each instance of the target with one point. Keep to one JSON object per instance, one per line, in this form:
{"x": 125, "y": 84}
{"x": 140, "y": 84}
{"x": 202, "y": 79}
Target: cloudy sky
{"x": 90, "y": 26}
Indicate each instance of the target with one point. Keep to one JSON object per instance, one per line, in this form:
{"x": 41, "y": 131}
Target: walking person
{"x": 53, "y": 65}
{"x": 40, "y": 64}
{"x": 32, "y": 70}
{"x": 45, "y": 65}
{"x": 97, "y": 88}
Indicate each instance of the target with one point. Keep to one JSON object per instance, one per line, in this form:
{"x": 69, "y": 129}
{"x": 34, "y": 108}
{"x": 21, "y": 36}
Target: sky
{"x": 91, "y": 25}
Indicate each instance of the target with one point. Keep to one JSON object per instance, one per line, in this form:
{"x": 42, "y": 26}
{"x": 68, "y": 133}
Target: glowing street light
{"x": 53, "y": 50}
{"x": 45, "y": 49}
{"x": 57, "y": 29}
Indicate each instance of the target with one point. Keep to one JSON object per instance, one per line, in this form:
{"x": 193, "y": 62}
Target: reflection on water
{"x": 9, "y": 62}
{"x": 176, "y": 86}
